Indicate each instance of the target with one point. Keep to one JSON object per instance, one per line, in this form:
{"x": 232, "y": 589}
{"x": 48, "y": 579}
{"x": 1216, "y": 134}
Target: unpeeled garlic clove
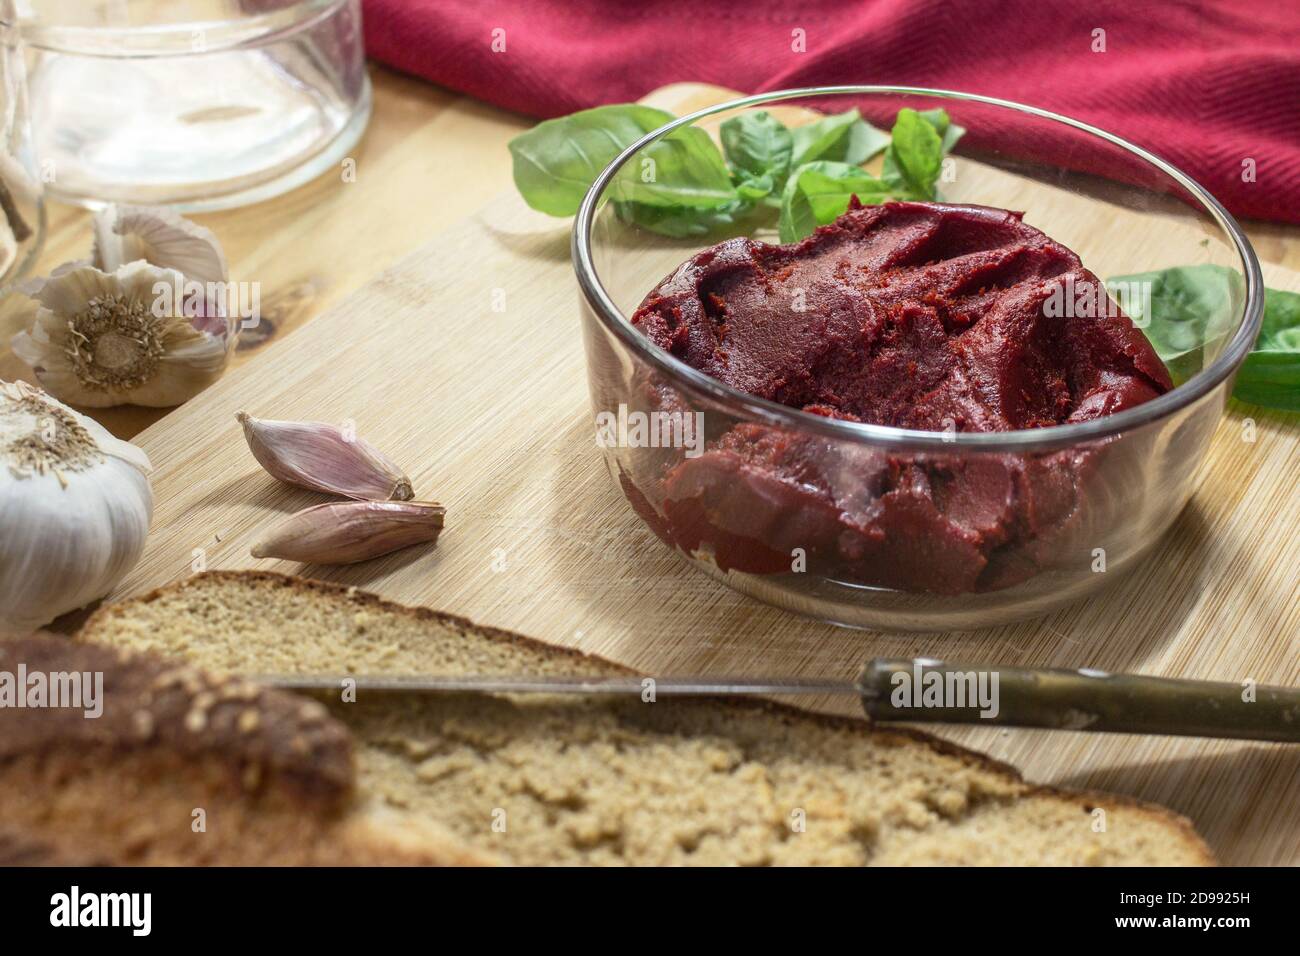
{"x": 346, "y": 532}
{"x": 323, "y": 457}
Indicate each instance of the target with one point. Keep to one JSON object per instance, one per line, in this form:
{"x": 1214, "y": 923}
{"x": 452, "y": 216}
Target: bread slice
{"x": 183, "y": 767}
{"x": 533, "y": 780}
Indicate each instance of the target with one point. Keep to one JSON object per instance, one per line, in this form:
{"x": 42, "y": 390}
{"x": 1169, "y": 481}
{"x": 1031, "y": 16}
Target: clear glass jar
{"x": 205, "y": 104}
{"x": 22, "y": 204}
{"x": 1083, "y": 501}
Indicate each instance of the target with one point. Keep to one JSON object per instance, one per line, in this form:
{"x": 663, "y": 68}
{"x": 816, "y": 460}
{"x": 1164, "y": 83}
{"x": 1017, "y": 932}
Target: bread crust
{"x": 154, "y": 704}
{"x": 272, "y": 772}
{"x": 1086, "y": 800}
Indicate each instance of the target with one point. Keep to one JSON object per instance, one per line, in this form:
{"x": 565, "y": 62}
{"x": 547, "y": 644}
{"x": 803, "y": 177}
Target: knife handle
{"x": 903, "y": 689}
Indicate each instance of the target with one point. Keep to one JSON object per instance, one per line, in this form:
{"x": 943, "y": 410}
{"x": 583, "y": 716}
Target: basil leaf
{"x": 816, "y": 193}
{"x": 682, "y": 222}
{"x": 684, "y": 168}
{"x": 949, "y": 132}
{"x": 1271, "y": 379}
{"x": 914, "y": 157}
{"x": 1181, "y": 311}
{"x": 842, "y": 137}
{"x": 862, "y": 142}
{"x": 756, "y": 145}
{"x": 756, "y": 188}
{"x": 1271, "y": 373}
{"x": 1281, "y": 329}
{"x": 556, "y": 162}
{"x": 1185, "y": 309}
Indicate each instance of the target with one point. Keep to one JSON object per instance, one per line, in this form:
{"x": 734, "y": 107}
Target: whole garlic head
{"x": 127, "y": 337}
{"x": 75, "y": 506}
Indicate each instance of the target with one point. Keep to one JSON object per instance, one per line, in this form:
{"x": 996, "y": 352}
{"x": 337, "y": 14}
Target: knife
{"x": 924, "y": 690}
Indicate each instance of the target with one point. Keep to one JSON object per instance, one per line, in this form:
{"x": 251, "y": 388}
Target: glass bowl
{"x": 1078, "y": 504}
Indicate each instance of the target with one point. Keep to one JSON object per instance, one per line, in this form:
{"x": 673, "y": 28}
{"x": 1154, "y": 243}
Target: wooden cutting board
{"x": 465, "y": 363}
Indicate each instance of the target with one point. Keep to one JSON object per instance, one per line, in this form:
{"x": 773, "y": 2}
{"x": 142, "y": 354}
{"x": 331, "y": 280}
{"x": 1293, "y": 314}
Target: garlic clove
{"x": 324, "y": 457}
{"x": 75, "y": 507}
{"x": 101, "y": 339}
{"x": 162, "y": 238}
{"x": 346, "y": 532}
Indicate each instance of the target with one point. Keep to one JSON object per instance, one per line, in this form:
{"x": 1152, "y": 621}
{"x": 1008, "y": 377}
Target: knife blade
{"x": 921, "y": 690}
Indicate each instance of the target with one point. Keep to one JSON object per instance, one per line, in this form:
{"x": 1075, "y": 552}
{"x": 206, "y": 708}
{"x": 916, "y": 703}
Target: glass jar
{"x": 22, "y": 206}
{"x": 202, "y": 104}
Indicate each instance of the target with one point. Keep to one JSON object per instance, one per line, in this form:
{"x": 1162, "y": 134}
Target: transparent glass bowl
{"x": 1103, "y": 490}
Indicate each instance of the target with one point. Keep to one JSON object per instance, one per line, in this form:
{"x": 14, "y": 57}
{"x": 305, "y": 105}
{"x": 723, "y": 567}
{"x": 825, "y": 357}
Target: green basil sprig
{"x": 556, "y": 162}
{"x": 758, "y": 148}
{"x": 1186, "y": 309}
{"x": 1271, "y": 373}
{"x": 820, "y": 191}
{"x": 684, "y": 186}
{"x": 914, "y": 158}
{"x": 841, "y": 138}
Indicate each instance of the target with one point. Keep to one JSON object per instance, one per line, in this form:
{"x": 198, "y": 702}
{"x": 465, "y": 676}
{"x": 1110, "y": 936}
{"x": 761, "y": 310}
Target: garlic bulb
{"x": 160, "y": 237}
{"x": 126, "y": 337}
{"x": 75, "y": 505}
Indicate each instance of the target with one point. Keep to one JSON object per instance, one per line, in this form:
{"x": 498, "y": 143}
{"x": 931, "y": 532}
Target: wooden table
{"x": 1217, "y": 595}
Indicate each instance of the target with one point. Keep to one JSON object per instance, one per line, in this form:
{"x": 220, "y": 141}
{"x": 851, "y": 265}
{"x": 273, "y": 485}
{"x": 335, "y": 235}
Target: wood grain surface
{"x": 464, "y": 362}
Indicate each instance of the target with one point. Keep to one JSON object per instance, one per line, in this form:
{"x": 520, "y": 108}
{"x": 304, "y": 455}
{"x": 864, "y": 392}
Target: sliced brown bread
{"x": 534, "y": 780}
{"x": 180, "y": 766}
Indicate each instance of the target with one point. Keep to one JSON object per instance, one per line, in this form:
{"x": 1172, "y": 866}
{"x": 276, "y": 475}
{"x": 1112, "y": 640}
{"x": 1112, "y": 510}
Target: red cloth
{"x": 1205, "y": 84}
